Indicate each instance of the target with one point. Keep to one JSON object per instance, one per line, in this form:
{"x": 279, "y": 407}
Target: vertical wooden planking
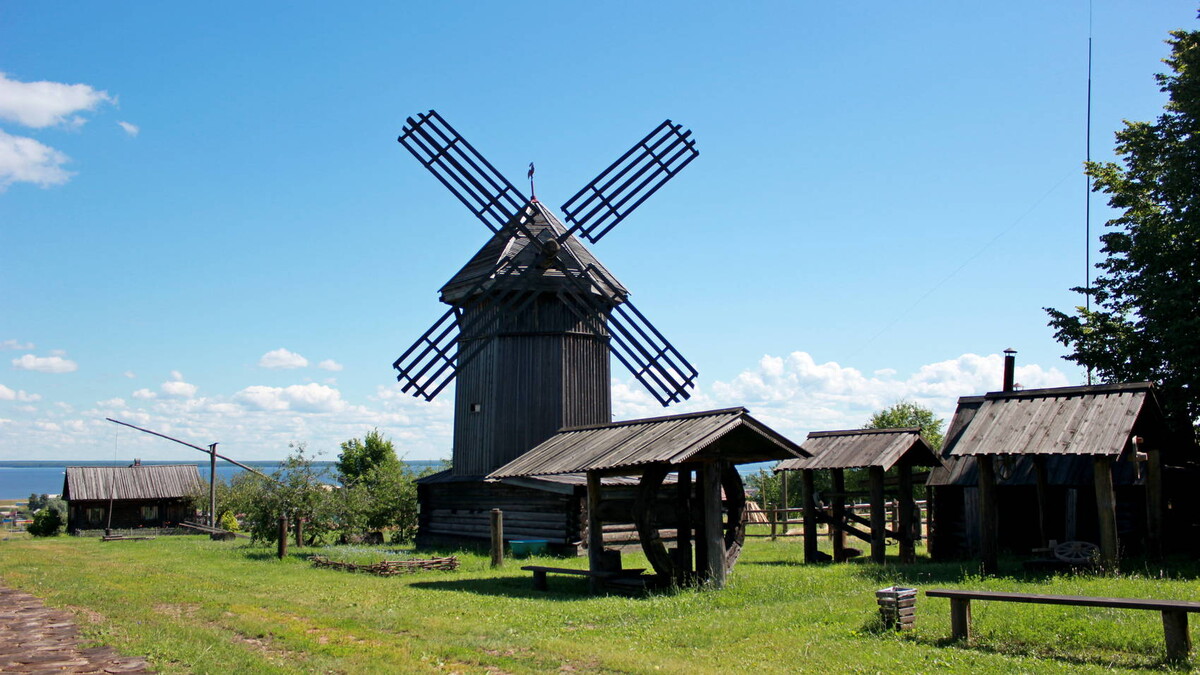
{"x": 1106, "y": 510}
{"x": 710, "y": 489}
{"x": 987, "y": 514}
{"x": 1154, "y": 503}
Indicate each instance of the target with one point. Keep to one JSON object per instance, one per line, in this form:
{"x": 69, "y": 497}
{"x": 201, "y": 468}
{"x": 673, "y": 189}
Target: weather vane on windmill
{"x": 532, "y": 191}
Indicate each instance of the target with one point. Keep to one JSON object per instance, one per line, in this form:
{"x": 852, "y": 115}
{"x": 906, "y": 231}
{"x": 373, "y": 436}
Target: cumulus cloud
{"x": 282, "y": 359}
{"x": 14, "y": 344}
{"x": 144, "y": 394}
{"x": 46, "y": 104}
{"x": 24, "y": 160}
{"x": 177, "y": 388}
{"x": 131, "y": 129}
{"x": 310, "y": 397}
{"x": 7, "y": 394}
{"x": 45, "y": 364}
{"x": 330, "y": 365}
{"x": 130, "y": 374}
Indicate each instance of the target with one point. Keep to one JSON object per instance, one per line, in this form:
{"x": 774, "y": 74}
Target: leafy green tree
{"x": 1144, "y": 320}
{"x": 299, "y": 490}
{"x": 909, "y": 414}
{"x": 46, "y": 523}
{"x": 359, "y": 458}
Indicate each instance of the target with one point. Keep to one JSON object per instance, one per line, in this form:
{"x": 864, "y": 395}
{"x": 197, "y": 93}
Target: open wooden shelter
{"x": 141, "y": 495}
{"x": 701, "y": 510}
{"x": 878, "y": 451}
{"x": 1016, "y": 460}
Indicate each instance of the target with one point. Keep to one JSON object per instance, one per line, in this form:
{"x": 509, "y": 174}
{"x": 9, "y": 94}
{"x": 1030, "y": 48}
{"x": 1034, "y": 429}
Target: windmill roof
{"x": 632, "y": 444}
{"x": 509, "y": 253}
{"x": 856, "y": 448}
{"x": 141, "y": 481}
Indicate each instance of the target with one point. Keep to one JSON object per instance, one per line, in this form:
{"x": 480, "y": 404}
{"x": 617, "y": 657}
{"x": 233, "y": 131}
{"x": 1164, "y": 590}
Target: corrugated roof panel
{"x": 142, "y": 481}
{"x": 859, "y": 448}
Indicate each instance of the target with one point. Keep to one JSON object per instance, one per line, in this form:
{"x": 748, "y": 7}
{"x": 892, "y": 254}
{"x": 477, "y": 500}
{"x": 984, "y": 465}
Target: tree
{"x": 908, "y": 414}
{"x": 1144, "y": 320}
{"x": 359, "y": 458}
{"x": 46, "y": 523}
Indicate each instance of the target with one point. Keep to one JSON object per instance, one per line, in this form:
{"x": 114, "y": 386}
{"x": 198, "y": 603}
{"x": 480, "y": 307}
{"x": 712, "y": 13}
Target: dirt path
{"x": 37, "y": 639}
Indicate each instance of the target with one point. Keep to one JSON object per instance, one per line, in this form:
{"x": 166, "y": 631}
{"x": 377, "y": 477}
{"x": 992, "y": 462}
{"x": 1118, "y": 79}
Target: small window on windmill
{"x": 476, "y": 407}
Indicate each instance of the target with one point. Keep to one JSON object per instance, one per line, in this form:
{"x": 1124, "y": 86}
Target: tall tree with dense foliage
{"x": 359, "y": 457}
{"x": 908, "y": 414}
{"x": 1145, "y": 315}
{"x": 378, "y": 492}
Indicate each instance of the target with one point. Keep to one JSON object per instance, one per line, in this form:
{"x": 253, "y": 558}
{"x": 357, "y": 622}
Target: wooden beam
{"x": 497, "y": 531}
{"x": 683, "y": 536}
{"x": 595, "y": 527}
{"x": 1106, "y": 510}
{"x": 1154, "y": 503}
{"x": 878, "y": 524}
{"x": 1043, "y": 499}
{"x": 714, "y": 572}
{"x": 838, "y": 512}
{"x": 988, "y": 523}
{"x": 808, "y": 494}
{"x": 908, "y": 546}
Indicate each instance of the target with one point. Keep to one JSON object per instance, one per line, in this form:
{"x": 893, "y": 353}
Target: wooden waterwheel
{"x": 652, "y": 520}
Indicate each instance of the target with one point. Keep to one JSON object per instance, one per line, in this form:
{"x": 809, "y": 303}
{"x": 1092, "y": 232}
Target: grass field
{"x": 194, "y": 605}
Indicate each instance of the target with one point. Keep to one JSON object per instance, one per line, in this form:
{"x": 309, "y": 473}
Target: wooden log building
{"x": 1088, "y": 463}
{"x": 878, "y": 451}
{"x": 125, "y": 497}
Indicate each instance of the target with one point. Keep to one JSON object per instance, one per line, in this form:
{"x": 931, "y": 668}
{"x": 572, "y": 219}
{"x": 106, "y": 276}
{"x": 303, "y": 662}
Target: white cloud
{"x": 282, "y": 359}
{"x": 176, "y": 376}
{"x": 130, "y": 374}
{"x": 47, "y": 104}
{"x": 112, "y": 403}
{"x": 131, "y": 129}
{"x": 13, "y": 344}
{"x": 177, "y": 388}
{"x": 7, "y": 394}
{"x": 310, "y": 397}
{"x": 24, "y": 160}
{"x": 144, "y": 394}
{"x": 45, "y": 364}
{"x": 330, "y": 365}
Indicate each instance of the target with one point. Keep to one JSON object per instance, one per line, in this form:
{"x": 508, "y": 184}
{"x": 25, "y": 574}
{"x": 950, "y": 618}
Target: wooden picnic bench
{"x": 540, "y": 572}
{"x": 1174, "y": 612}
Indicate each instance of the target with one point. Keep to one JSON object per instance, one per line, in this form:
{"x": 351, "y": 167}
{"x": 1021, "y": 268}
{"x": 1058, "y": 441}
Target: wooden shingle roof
{"x": 142, "y": 481}
{"x": 511, "y": 244}
{"x": 730, "y": 433}
{"x": 858, "y": 448}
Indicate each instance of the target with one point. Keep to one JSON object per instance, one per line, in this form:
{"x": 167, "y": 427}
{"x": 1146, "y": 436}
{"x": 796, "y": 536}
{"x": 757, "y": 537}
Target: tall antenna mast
{"x": 1087, "y": 198}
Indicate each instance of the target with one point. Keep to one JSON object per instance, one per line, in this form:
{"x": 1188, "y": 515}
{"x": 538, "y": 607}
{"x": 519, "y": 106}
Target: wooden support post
{"x": 1043, "y": 499}
{"x": 683, "y": 534}
{"x": 960, "y": 618}
{"x": 1072, "y": 514}
{"x": 1179, "y": 641}
{"x": 878, "y": 523}
{"x": 299, "y": 531}
{"x": 908, "y": 545}
{"x": 1154, "y": 503}
{"x": 784, "y": 501}
{"x": 837, "y": 535}
{"x": 595, "y": 527}
{"x": 988, "y": 522}
{"x": 212, "y": 485}
{"x": 808, "y": 494}
{"x": 283, "y": 537}
{"x": 497, "y": 538}
{"x": 1106, "y": 511}
{"x": 713, "y": 533}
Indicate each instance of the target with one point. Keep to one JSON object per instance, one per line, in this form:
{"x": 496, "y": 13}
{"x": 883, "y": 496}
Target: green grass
{"x": 194, "y": 605}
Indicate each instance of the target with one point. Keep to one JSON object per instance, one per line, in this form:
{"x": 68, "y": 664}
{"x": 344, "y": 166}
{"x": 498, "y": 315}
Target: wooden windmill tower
{"x": 533, "y": 317}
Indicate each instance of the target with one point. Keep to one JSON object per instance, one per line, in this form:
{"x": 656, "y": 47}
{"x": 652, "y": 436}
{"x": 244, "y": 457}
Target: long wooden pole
{"x": 1106, "y": 510}
{"x": 1154, "y": 503}
{"x": 878, "y": 527}
{"x": 810, "y": 515}
{"x": 908, "y": 549}
{"x": 987, "y": 514}
{"x": 836, "y": 533}
{"x": 713, "y": 533}
{"x": 212, "y": 485}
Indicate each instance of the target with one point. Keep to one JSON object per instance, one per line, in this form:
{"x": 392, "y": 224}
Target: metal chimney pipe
{"x": 1010, "y": 368}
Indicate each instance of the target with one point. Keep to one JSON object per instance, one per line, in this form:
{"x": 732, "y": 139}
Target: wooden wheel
{"x": 1077, "y": 552}
{"x": 650, "y": 529}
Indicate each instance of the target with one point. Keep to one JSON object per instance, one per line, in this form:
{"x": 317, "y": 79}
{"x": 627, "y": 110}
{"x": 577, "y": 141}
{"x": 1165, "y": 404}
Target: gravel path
{"x": 37, "y": 639}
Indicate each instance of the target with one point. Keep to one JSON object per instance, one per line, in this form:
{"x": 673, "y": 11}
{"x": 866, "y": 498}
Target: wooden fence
{"x": 789, "y": 522}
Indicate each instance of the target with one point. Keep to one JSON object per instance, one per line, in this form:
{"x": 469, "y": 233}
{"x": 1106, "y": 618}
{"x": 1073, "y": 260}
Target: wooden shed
{"x": 700, "y": 510}
{"x": 141, "y": 495}
{"x": 878, "y": 451}
{"x": 1092, "y": 463}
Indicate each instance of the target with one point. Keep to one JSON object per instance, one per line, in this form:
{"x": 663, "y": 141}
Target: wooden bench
{"x": 1174, "y": 612}
{"x": 540, "y": 572}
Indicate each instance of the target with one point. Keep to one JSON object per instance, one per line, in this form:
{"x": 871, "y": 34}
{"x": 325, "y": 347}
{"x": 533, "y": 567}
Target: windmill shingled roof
{"x": 634, "y": 443}
{"x": 141, "y": 481}
{"x": 510, "y": 243}
{"x": 857, "y": 448}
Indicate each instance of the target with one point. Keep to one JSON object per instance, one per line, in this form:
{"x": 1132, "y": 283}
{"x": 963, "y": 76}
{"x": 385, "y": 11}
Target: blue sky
{"x": 213, "y": 233}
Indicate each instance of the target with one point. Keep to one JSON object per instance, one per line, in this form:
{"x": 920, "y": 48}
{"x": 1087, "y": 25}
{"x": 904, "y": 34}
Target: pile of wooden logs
{"x": 897, "y": 607}
{"x": 388, "y": 568}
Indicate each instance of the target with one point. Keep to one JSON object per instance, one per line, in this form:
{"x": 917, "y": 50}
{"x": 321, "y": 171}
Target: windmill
{"x": 533, "y": 315}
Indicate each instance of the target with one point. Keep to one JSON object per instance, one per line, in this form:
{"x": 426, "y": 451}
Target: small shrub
{"x": 46, "y": 523}
{"x": 229, "y": 522}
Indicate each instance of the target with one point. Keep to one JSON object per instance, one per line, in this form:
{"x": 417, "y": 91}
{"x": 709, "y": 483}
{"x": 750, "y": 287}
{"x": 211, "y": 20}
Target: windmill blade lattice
{"x": 629, "y": 181}
{"x": 465, "y": 172}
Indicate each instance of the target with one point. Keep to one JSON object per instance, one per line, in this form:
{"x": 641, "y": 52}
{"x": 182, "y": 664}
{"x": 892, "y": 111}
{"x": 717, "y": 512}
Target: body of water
{"x": 19, "y": 479}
